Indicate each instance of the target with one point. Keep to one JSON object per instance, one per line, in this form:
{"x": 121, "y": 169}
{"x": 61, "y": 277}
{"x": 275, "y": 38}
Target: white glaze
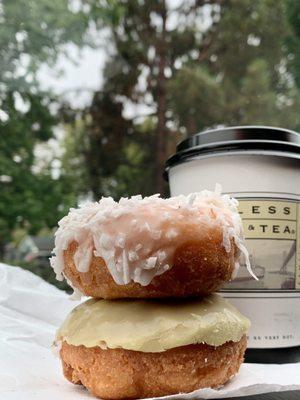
{"x": 137, "y": 236}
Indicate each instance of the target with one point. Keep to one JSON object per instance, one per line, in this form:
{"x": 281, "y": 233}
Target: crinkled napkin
{"x": 30, "y": 312}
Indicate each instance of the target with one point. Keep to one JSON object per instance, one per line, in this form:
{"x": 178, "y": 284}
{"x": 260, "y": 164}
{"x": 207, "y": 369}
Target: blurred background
{"x": 95, "y": 94}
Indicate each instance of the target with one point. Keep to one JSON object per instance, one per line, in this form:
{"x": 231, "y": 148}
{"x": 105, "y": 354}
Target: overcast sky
{"x": 66, "y": 77}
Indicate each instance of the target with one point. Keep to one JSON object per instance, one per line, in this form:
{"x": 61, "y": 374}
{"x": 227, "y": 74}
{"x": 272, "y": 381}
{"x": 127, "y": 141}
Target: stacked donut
{"x": 153, "y": 327}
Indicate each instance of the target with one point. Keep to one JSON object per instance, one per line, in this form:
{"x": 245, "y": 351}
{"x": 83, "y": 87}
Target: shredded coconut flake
{"x": 77, "y": 294}
{"x": 171, "y": 234}
{"x": 133, "y": 256}
{"x": 235, "y": 271}
{"x": 137, "y": 237}
{"x": 150, "y": 263}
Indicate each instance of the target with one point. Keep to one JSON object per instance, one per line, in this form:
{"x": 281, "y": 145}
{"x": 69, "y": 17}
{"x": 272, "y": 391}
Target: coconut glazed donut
{"x": 159, "y": 349}
{"x": 150, "y": 247}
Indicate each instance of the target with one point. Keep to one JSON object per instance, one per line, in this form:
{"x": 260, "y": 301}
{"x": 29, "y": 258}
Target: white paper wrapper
{"x": 30, "y": 312}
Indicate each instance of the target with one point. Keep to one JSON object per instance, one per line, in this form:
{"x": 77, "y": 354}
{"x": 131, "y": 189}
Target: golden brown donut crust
{"x": 125, "y": 374}
{"x": 199, "y": 268}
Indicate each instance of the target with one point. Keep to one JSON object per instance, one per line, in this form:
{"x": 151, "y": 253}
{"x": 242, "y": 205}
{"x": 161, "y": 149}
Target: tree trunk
{"x": 2, "y": 248}
{"x": 191, "y": 126}
{"x": 161, "y": 131}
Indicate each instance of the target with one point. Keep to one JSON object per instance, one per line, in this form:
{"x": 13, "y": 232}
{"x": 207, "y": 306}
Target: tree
{"x": 196, "y": 65}
{"x": 104, "y": 140}
{"x": 249, "y": 65}
{"x": 30, "y": 33}
{"x": 202, "y": 91}
{"x": 147, "y": 50}
{"x": 293, "y": 39}
{"x": 124, "y": 168}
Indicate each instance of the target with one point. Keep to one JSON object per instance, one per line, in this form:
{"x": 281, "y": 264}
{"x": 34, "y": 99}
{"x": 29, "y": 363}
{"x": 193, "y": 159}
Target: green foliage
{"x": 249, "y": 30}
{"x": 257, "y": 101}
{"x": 128, "y": 172}
{"x": 293, "y": 40}
{"x": 249, "y": 72}
{"x": 201, "y": 92}
{"x": 94, "y": 142}
{"x": 73, "y": 167}
{"x": 135, "y": 174}
{"x": 27, "y": 198}
{"x": 17, "y": 145}
{"x": 30, "y": 33}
